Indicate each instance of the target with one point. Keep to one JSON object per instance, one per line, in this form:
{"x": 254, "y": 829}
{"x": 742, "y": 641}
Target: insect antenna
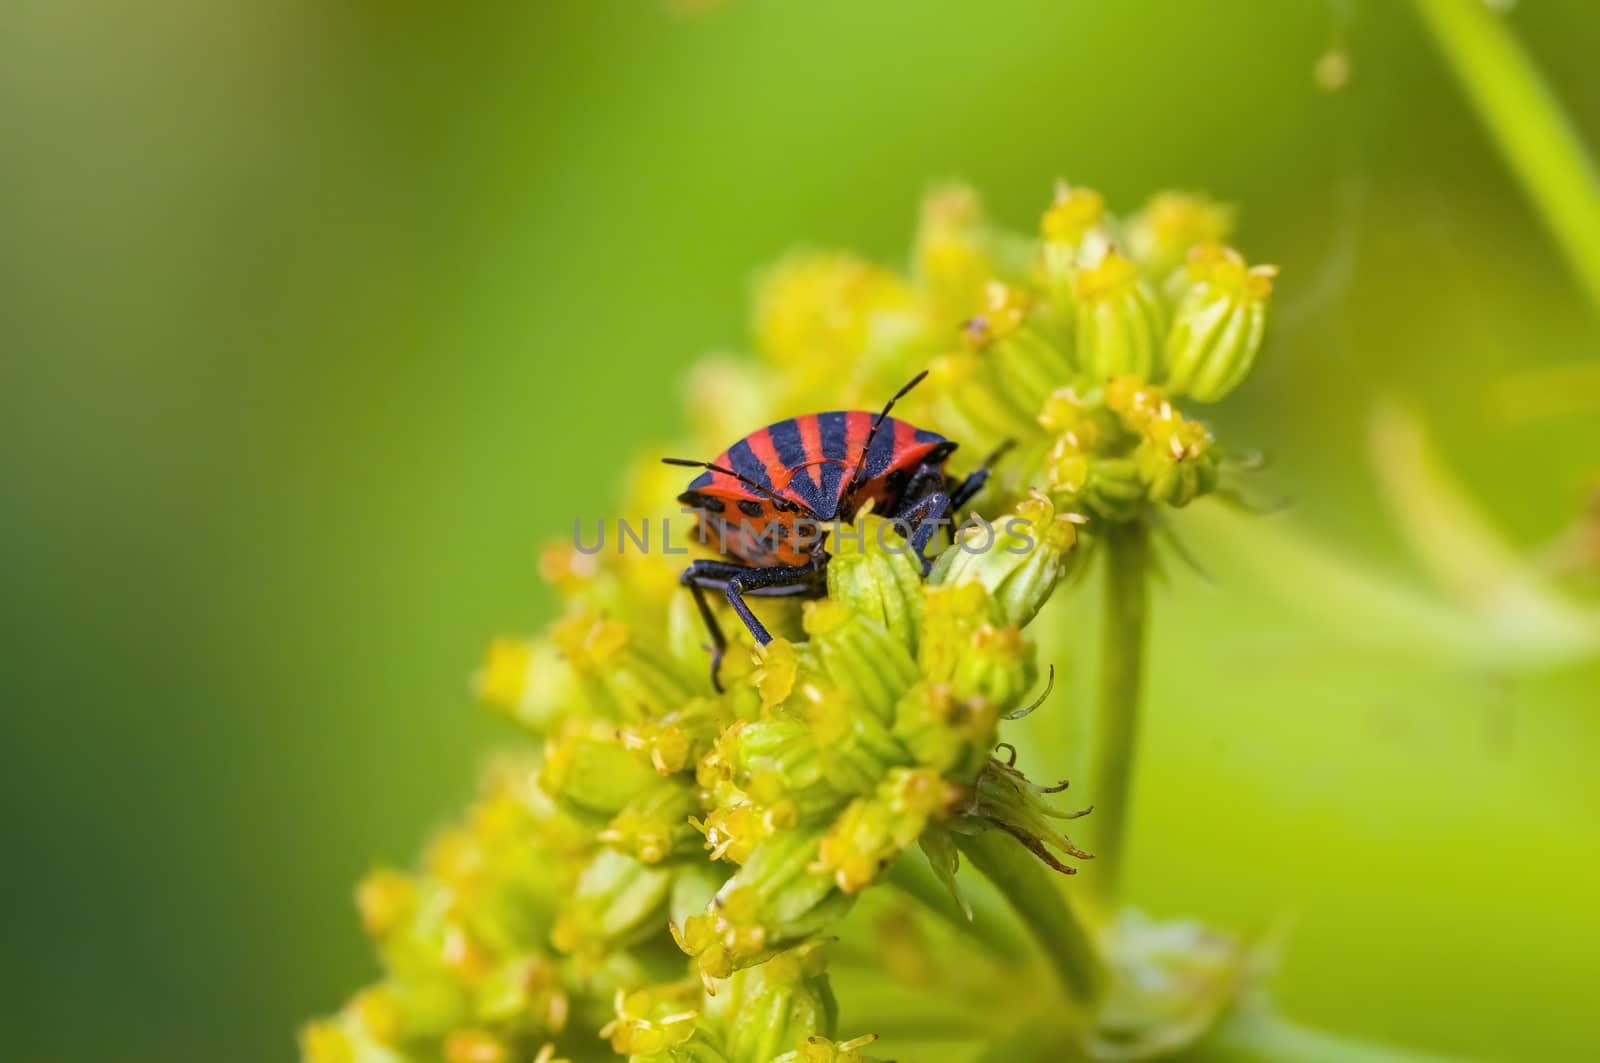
{"x": 872, "y": 433}
{"x": 999, "y": 452}
{"x": 783, "y": 503}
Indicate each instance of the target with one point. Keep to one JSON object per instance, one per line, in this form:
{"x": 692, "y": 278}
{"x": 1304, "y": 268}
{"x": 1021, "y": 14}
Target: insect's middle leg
{"x": 756, "y": 579}
{"x": 698, "y": 577}
{"x": 735, "y": 580}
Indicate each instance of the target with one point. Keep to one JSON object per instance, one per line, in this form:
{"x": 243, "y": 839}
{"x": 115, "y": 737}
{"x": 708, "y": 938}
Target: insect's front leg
{"x": 922, "y": 520}
{"x": 963, "y": 492}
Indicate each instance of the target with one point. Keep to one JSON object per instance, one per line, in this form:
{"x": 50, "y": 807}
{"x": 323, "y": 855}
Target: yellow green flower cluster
{"x": 1078, "y": 348}
{"x": 737, "y": 826}
{"x": 660, "y": 881}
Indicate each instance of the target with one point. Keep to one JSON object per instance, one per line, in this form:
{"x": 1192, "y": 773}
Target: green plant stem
{"x": 991, "y": 929}
{"x": 1268, "y": 1039}
{"x": 1528, "y": 123}
{"x": 1032, "y": 893}
{"x": 1126, "y": 607}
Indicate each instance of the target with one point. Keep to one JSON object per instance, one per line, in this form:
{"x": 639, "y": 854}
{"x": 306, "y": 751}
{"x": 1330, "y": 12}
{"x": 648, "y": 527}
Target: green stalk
{"x": 1528, "y": 123}
{"x": 1032, "y": 893}
{"x": 1122, "y": 641}
{"x": 992, "y": 930}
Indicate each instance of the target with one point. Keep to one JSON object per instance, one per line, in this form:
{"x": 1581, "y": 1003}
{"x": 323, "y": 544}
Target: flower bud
{"x": 1075, "y": 232}
{"x": 966, "y": 647}
{"x": 592, "y": 775}
{"x": 1068, "y": 410}
{"x": 721, "y": 942}
{"x": 622, "y": 679}
{"x": 1161, "y": 235}
{"x": 725, "y": 395}
{"x": 1019, "y": 561}
{"x": 653, "y": 1020}
{"x": 1105, "y": 487}
{"x": 774, "y": 899}
{"x": 528, "y": 681}
{"x": 952, "y": 613}
{"x": 385, "y": 900}
{"x": 1176, "y": 461}
{"x": 1119, "y": 321}
{"x": 525, "y": 991}
{"x": 779, "y": 766}
{"x": 871, "y": 832}
{"x": 856, "y": 747}
{"x": 858, "y": 656}
{"x": 875, "y": 574}
{"x": 952, "y": 257}
{"x": 952, "y": 735}
{"x": 618, "y": 899}
{"x": 1172, "y": 983}
{"x": 676, "y": 741}
{"x": 1219, "y": 324}
{"x": 1137, "y": 404}
{"x": 732, "y": 832}
{"x": 1074, "y": 216}
{"x": 1024, "y": 365}
{"x": 972, "y": 400}
{"x": 655, "y": 824}
{"x": 772, "y": 1008}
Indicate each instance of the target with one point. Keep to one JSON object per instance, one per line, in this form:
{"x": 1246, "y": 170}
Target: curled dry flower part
{"x": 659, "y": 881}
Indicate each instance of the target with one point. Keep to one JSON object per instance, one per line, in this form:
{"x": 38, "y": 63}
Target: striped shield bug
{"x": 766, "y": 499}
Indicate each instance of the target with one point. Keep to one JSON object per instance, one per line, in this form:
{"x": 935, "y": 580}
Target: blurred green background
{"x": 319, "y": 317}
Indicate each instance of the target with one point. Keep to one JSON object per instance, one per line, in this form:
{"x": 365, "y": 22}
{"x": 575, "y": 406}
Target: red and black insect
{"x": 765, "y": 501}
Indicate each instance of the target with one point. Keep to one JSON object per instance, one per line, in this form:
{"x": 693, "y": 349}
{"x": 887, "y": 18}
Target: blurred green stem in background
{"x": 1031, "y": 891}
{"x": 1127, "y": 560}
{"x": 911, "y": 876}
{"x": 1527, "y": 121}
{"x": 1253, "y": 1038}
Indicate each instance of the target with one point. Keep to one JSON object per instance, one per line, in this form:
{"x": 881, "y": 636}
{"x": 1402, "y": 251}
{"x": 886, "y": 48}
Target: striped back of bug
{"x": 801, "y": 470}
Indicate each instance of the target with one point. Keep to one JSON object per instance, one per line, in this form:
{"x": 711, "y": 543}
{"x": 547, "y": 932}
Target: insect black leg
{"x": 755, "y": 579}
{"x": 735, "y": 580}
{"x": 926, "y": 480}
{"x": 967, "y": 488}
{"x": 697, "y": 577}
{"x": 963, "y": 492}
{"x": 923, "y": 519}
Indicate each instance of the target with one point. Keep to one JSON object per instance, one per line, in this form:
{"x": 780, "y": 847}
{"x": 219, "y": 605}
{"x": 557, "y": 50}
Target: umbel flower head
{"x": 663, "y": 879}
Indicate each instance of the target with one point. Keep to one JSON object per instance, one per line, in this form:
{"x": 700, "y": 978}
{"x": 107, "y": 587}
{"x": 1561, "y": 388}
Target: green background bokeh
{"x": 319, "y": 318}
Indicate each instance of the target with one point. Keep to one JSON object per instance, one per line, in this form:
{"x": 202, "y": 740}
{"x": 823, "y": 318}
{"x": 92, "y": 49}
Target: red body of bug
{"x": 767, "y": 501}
